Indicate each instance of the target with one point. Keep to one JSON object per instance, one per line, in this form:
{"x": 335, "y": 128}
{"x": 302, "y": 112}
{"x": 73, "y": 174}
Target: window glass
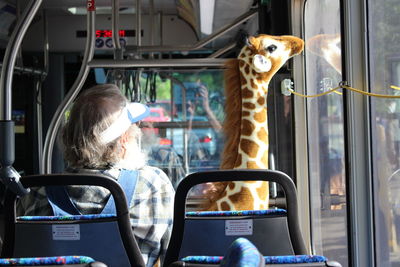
{"x": 325, "y": 130}
{"x": 182, "y": 133}
{"x": 384, "y": 73}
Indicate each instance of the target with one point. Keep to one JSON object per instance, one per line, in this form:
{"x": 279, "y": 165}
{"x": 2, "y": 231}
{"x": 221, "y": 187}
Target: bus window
{"x": 183, "y": 132}
{"x": 384, "y": 73}
{"x": 325, "y": 130}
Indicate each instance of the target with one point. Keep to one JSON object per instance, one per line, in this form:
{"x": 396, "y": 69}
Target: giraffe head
{"x": 266, "y": 54}
{"x": 328, "y": 47}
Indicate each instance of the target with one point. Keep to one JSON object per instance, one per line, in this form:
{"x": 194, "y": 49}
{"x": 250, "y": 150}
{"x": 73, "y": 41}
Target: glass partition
{"x": 183, "y": 133}
{"x": 384, "y": 73}
{"x": 325, "y": 129}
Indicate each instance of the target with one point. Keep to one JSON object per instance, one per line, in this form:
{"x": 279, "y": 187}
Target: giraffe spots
{"x": 246, "y": 93}
{"x": 262, "y": 190}
{"x": 252, "y": 165}
{"x": 247, "y": 127}
{"x": 253, "y": 84}
{"x": 241, "y": 63}
{"x": 243, "y": 80}
{"x": 261, "y": 116}
{"x": 249, "y": 147}
{"x": 264, "y": 158}
{"x": 231, "y": 186}
{"x": 238, "y": 197}
{"x": 253, "y": 72}
{"x": 261, "y": 101}
{"x": 242, "y": 55}
{"x": 249, "y": 105}
{"x": 245, "y": 113}
{"x": 260, "y": 79}
{"x": 238, "y": 161}
{"x": 247, "y": 69}
{"x": 262, "y": 134}
{"x": 223, "y": 194}
{"x": 225, "y": 206}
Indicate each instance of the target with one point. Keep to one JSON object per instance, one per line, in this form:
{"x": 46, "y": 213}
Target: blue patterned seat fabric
{"x": 244, "y": 254}
{"x": 64, "y": 260}
{"x": 236, "y": 213}
{"x": 66, "y": 218}
{"x": 268, "y": 259}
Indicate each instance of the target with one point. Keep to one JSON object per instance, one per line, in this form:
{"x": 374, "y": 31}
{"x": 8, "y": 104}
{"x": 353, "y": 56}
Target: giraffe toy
{"x": 245, "y": 126}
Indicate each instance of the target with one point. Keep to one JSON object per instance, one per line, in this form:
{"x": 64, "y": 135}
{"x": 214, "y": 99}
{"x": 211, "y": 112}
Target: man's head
{"x": 100, "y": 128}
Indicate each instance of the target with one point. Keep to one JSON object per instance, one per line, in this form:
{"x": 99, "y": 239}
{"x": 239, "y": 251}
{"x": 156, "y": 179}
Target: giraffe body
{"x": 246, "y": 125}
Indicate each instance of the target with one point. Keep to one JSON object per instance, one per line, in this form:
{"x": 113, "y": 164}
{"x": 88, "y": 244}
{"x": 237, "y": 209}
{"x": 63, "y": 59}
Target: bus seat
{"x": 207, "y": 232}
{"x": 105, "y": 237}
{"x": 274, "y": 232}
{"x": 243, "y": 253}
{"x": 71, "y": 261}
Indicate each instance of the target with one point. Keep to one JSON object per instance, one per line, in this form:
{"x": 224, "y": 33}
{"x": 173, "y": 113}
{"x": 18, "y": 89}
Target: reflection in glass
{"x": 183, "y": 132}
{"x": 325, "y": 130}
{"x": 384, "y": 71}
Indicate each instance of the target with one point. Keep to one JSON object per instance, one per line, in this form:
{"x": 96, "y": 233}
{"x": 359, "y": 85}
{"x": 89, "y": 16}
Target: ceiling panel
{"x": 167, "y": 6}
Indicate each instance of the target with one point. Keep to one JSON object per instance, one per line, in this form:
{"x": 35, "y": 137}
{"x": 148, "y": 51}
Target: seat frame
{"x": 122, "y": 210}
{"x": 193, "y": 179}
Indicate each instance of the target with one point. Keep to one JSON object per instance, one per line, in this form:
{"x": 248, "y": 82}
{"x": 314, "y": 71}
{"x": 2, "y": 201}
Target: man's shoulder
{"x": 155, "y": 176}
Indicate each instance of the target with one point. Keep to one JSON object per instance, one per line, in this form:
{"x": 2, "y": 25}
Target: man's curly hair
{"x": 94, "y": 110}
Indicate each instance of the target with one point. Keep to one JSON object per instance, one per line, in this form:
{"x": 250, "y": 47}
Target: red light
{"x": 108, "y": 33}
{"x": 205, "y": 139}
{"x": 164, "y": 141}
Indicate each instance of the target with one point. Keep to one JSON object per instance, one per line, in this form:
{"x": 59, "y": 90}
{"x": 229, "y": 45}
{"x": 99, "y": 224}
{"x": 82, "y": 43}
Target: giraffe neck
{"x": 253, "y": 144}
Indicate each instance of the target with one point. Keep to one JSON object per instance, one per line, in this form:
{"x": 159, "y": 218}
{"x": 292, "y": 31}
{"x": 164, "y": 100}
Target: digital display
{"x": 108, "y": 33}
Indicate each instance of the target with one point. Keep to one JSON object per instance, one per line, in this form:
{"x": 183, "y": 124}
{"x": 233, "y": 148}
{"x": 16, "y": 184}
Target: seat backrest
{"x": 106, "y": 238}
{"x": 71, "y": 261}
{"x": 277, "y": 233}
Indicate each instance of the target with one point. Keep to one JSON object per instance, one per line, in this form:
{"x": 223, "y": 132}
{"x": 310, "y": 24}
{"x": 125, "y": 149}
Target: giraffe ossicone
{"x": 246, "y": 126}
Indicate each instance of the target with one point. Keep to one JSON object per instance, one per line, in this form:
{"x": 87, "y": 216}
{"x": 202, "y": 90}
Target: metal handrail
{"x": 115, "y": 24}
{"x": 10, "y": 56}
{"x": 73, "y": 92}
{"x": 158, "y": 63}
{"x": 38, "y": 89}
{"x": 7, "y": 135}
{"x": 203, "y": 42}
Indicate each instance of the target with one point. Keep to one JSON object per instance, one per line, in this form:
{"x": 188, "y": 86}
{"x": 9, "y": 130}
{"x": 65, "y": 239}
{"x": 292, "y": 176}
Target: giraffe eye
{"x": 271, "y": 48}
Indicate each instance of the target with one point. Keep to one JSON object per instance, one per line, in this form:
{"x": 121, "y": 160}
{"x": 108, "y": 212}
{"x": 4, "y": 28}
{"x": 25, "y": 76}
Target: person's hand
{"x": 203, "y": 92}
{"x": 191, "y": 108}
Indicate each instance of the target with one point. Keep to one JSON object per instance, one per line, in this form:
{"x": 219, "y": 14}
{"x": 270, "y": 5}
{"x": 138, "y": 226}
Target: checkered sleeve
{"x": 151, "y": 212}
{"x": 35, "y": 203}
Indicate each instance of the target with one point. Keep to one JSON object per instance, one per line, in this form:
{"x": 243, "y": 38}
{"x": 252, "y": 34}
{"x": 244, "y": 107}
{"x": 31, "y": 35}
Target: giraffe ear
{"x": 251, "y": 42}
{"x": 261, "y": 63}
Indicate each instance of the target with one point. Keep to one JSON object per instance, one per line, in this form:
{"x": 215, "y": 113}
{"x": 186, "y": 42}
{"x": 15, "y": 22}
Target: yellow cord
{"x": 349, "y": 88}
{"x": 317, "y": 95}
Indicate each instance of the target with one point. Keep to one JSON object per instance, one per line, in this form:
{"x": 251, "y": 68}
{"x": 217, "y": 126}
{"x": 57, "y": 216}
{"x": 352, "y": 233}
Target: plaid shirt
{"x": 151, "y": 208}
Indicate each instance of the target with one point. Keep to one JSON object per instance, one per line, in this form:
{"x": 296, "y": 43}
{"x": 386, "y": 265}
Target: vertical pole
{"x": 7, "y": 135}
{"x": 138, "y": 24}
{"x": 73, "y": 92}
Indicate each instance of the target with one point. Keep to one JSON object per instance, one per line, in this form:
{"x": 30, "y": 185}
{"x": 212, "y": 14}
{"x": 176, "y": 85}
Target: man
{"x": 101, "y": 136}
